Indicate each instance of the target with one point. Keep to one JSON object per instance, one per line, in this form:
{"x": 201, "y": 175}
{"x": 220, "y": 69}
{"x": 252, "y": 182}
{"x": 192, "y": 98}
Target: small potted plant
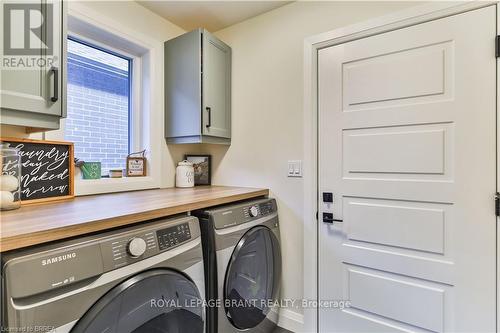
{"x": 89, "y": 170}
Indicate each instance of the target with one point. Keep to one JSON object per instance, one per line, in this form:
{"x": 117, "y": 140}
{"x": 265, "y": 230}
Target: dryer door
{"x": 252, "y": 278}
{"x": 155, "y": 301}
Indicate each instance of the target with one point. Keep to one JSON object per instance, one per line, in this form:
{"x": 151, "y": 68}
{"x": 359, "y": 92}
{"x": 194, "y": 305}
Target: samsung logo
{"x": 53, "y": 260}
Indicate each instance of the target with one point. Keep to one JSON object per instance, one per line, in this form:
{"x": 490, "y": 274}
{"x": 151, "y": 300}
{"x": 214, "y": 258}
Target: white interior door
{"x": 407, "y": 130}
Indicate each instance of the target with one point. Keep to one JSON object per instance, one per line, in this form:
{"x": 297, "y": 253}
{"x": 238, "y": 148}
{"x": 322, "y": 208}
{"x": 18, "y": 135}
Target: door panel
{"x": 413, "y": 294}
{"x": 216, "y": 87}
{"x": 383, "y": 79}
{"x": 407, "y": 147}
{"x": 405, "y": 224}
{"x": 399, "y": 151}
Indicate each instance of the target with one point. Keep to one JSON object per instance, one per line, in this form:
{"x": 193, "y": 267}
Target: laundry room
{"x": 249, "y": 166}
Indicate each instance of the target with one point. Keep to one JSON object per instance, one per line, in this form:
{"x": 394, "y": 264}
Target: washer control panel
{"x": 172, "y": 236}
{"x": 138, "y": 246}
{"x": 129, "y": 247}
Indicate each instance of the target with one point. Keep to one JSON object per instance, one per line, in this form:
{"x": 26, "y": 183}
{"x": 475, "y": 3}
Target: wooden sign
{"x": 136, "y": 166}
{"x": 47, "y": 169}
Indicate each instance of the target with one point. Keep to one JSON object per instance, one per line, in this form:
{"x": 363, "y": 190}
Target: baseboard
{"x": 291, "y": 320}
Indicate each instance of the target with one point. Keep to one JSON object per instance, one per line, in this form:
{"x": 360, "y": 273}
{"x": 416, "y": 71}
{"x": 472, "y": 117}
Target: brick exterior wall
{"x": 98, "y": 106}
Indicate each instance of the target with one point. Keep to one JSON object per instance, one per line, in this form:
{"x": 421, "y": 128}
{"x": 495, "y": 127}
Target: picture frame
{"x": 202, "y": 165}
{"x": 63, "y": 176}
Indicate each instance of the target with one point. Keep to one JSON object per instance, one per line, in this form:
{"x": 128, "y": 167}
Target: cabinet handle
{"x": 209, "y": 110}
{"x": 55, "y": 75}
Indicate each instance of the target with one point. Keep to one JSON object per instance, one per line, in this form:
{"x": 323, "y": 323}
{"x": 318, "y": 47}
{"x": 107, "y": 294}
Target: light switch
{"x": 295, "y": 168}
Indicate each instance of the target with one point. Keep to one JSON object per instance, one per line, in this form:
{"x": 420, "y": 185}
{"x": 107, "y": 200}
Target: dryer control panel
{"x": 231, "y": 215}
{"x": 259, "y": 209}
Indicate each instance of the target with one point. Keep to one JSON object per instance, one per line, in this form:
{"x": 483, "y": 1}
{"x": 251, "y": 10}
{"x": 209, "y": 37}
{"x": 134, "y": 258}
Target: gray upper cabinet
{"x": 35, "y": 98}
{"x": 197, "y": 89}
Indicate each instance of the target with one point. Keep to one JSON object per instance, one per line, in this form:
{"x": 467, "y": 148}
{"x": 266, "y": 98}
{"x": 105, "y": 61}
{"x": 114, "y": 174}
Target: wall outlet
{"x": 294, "y": 168}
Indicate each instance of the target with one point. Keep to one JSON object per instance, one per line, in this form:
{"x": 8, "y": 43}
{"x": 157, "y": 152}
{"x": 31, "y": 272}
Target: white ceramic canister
{"x": 184, "y": 174}
{"x": 10, "y": 176}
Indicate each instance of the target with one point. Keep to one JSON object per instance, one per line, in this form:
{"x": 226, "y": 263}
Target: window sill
{"x": 109, "y": 185}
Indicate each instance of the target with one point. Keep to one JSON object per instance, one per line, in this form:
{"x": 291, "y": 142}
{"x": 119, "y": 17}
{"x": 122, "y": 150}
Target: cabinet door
{"x": 216, "y": 92}
{"x": 183, "y": 85}
{"x": 36, "y": 90}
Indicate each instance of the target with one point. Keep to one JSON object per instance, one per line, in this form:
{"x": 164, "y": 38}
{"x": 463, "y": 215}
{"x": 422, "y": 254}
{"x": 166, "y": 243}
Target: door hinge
{"x": 316, "y": 216}
{"x": 497, "y": 46}
{"x": 497, "y": 204}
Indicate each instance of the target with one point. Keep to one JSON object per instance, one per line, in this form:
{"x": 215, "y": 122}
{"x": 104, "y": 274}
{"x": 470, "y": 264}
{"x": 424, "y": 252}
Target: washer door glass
{"x": 252, "y": 278}
{"x": 156, "y": 301}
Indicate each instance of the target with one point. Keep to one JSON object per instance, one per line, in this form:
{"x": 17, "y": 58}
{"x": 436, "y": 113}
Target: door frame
{"x": 398, "y": 20}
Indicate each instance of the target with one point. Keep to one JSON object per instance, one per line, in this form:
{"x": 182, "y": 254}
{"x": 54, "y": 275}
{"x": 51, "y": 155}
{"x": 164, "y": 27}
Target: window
{"x": 99, "y": 104}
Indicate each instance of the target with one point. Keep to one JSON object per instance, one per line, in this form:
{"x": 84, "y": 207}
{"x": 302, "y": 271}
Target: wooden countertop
{"x": 36, "y": 224}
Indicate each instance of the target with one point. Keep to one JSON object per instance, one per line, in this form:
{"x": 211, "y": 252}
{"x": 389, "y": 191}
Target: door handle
{"x": 328, "y": 218}
{"x": 55, "y": 75}
{"x": 209, "y": 110}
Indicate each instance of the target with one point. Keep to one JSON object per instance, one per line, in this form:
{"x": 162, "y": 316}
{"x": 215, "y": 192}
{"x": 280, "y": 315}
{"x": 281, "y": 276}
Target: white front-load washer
{"x": 241, "y": 244}
{"x": 146, "y": 278}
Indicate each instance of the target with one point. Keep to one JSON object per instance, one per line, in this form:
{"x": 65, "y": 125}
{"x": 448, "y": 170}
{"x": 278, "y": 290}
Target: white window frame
{"x": 146, "y": 114}
{"x": 135, "y": 91}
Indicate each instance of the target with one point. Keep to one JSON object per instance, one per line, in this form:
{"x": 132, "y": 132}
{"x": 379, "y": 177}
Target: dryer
{"x": 146, "y": 278}
{"x": 241, "y": 245}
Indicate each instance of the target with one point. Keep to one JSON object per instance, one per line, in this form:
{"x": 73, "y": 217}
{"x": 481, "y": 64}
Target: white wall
{"x": 267, "y": 109}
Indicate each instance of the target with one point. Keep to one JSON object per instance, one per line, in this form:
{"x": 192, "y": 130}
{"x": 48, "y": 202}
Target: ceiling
{"x": 212, "y": 15}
